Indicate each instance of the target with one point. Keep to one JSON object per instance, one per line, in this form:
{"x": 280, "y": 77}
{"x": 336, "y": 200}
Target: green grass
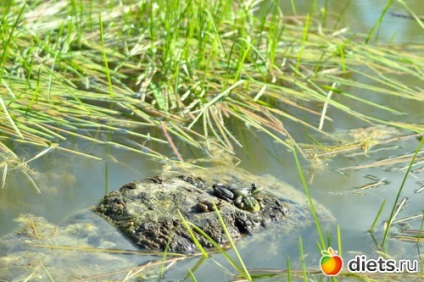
{"x": 396, "y": 202}
{"x": 180, "y": 71}
{"x": 380, "y": 20}
{"x": 240, "y": 267}
{"x": 321, "y": 244}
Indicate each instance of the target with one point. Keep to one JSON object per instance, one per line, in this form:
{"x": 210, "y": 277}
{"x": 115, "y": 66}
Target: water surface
{"x": 69, "y": 183}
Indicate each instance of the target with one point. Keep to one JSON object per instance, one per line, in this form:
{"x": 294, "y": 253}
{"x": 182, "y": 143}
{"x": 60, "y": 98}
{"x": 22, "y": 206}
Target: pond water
{"x": 70, "y": 183}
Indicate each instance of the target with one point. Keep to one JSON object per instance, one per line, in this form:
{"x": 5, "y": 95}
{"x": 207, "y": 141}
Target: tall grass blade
{"x": 171, "y": 142}
{"x": 324, "y": 108}
{"x": 31, "y": 181}
{"x": 379, "y": 21}
{"x": 308, "y": 195}
{"x": 10, "y": 119}
{"x": 39, "y": 155}
{"x": 102, "y": 42}
{"x": 218, "y": 247}
{"x": 4, "y": 175}
{"x": 48, "y": 273}
{"x": 188, "y": 225}
{"x": 302, "y": 260}
{"x": 339, "y": 240}
{"x": 391, "y": 218}
{"x": 412, "y": 12}
{"x": 193, "y": 269}
{"x": 377, "y": 216}
{"x": 193, "y": 237}
{"x": 6, "y": 44}
{"x": 165, "y": 253}
{"x": 421, "y": 230}
{"x": 289, "y": 278}
{"x": 303, "y": 43}
{"x": 245, "y": 272}
{"x": 191, "y": 275}
{"x": 293, "y": 5}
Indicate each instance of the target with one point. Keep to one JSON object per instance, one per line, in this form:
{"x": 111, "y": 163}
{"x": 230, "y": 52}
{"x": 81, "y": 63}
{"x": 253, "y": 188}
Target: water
{"x": 69, "y": 183}
{"x": 361, "y": 15}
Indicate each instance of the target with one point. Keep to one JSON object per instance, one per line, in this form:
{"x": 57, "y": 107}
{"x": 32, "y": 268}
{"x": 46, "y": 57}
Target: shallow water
{"x": 361, "y": 15}
{"x": 69, "y": 183}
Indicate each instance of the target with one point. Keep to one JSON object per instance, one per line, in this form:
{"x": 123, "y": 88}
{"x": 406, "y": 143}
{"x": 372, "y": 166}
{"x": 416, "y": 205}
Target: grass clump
{"x": 181, "y": 72}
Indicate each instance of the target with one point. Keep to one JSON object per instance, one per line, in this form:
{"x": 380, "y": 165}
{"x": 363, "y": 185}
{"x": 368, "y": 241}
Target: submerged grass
{"x": 176, "y": 72}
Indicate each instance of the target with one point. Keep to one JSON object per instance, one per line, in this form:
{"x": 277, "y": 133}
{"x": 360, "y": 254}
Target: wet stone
{"x": 146, "y": 211}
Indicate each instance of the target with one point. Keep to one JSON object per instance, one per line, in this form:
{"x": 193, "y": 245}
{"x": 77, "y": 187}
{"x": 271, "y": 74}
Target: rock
{"x": 147, "y": 211}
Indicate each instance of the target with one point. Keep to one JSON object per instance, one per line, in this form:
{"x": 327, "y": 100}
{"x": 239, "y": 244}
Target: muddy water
{"x": 69, "y": 183}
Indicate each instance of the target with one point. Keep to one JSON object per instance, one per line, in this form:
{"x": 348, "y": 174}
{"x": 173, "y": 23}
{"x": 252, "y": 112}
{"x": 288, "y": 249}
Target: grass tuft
{"x": 183, "y": 71}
